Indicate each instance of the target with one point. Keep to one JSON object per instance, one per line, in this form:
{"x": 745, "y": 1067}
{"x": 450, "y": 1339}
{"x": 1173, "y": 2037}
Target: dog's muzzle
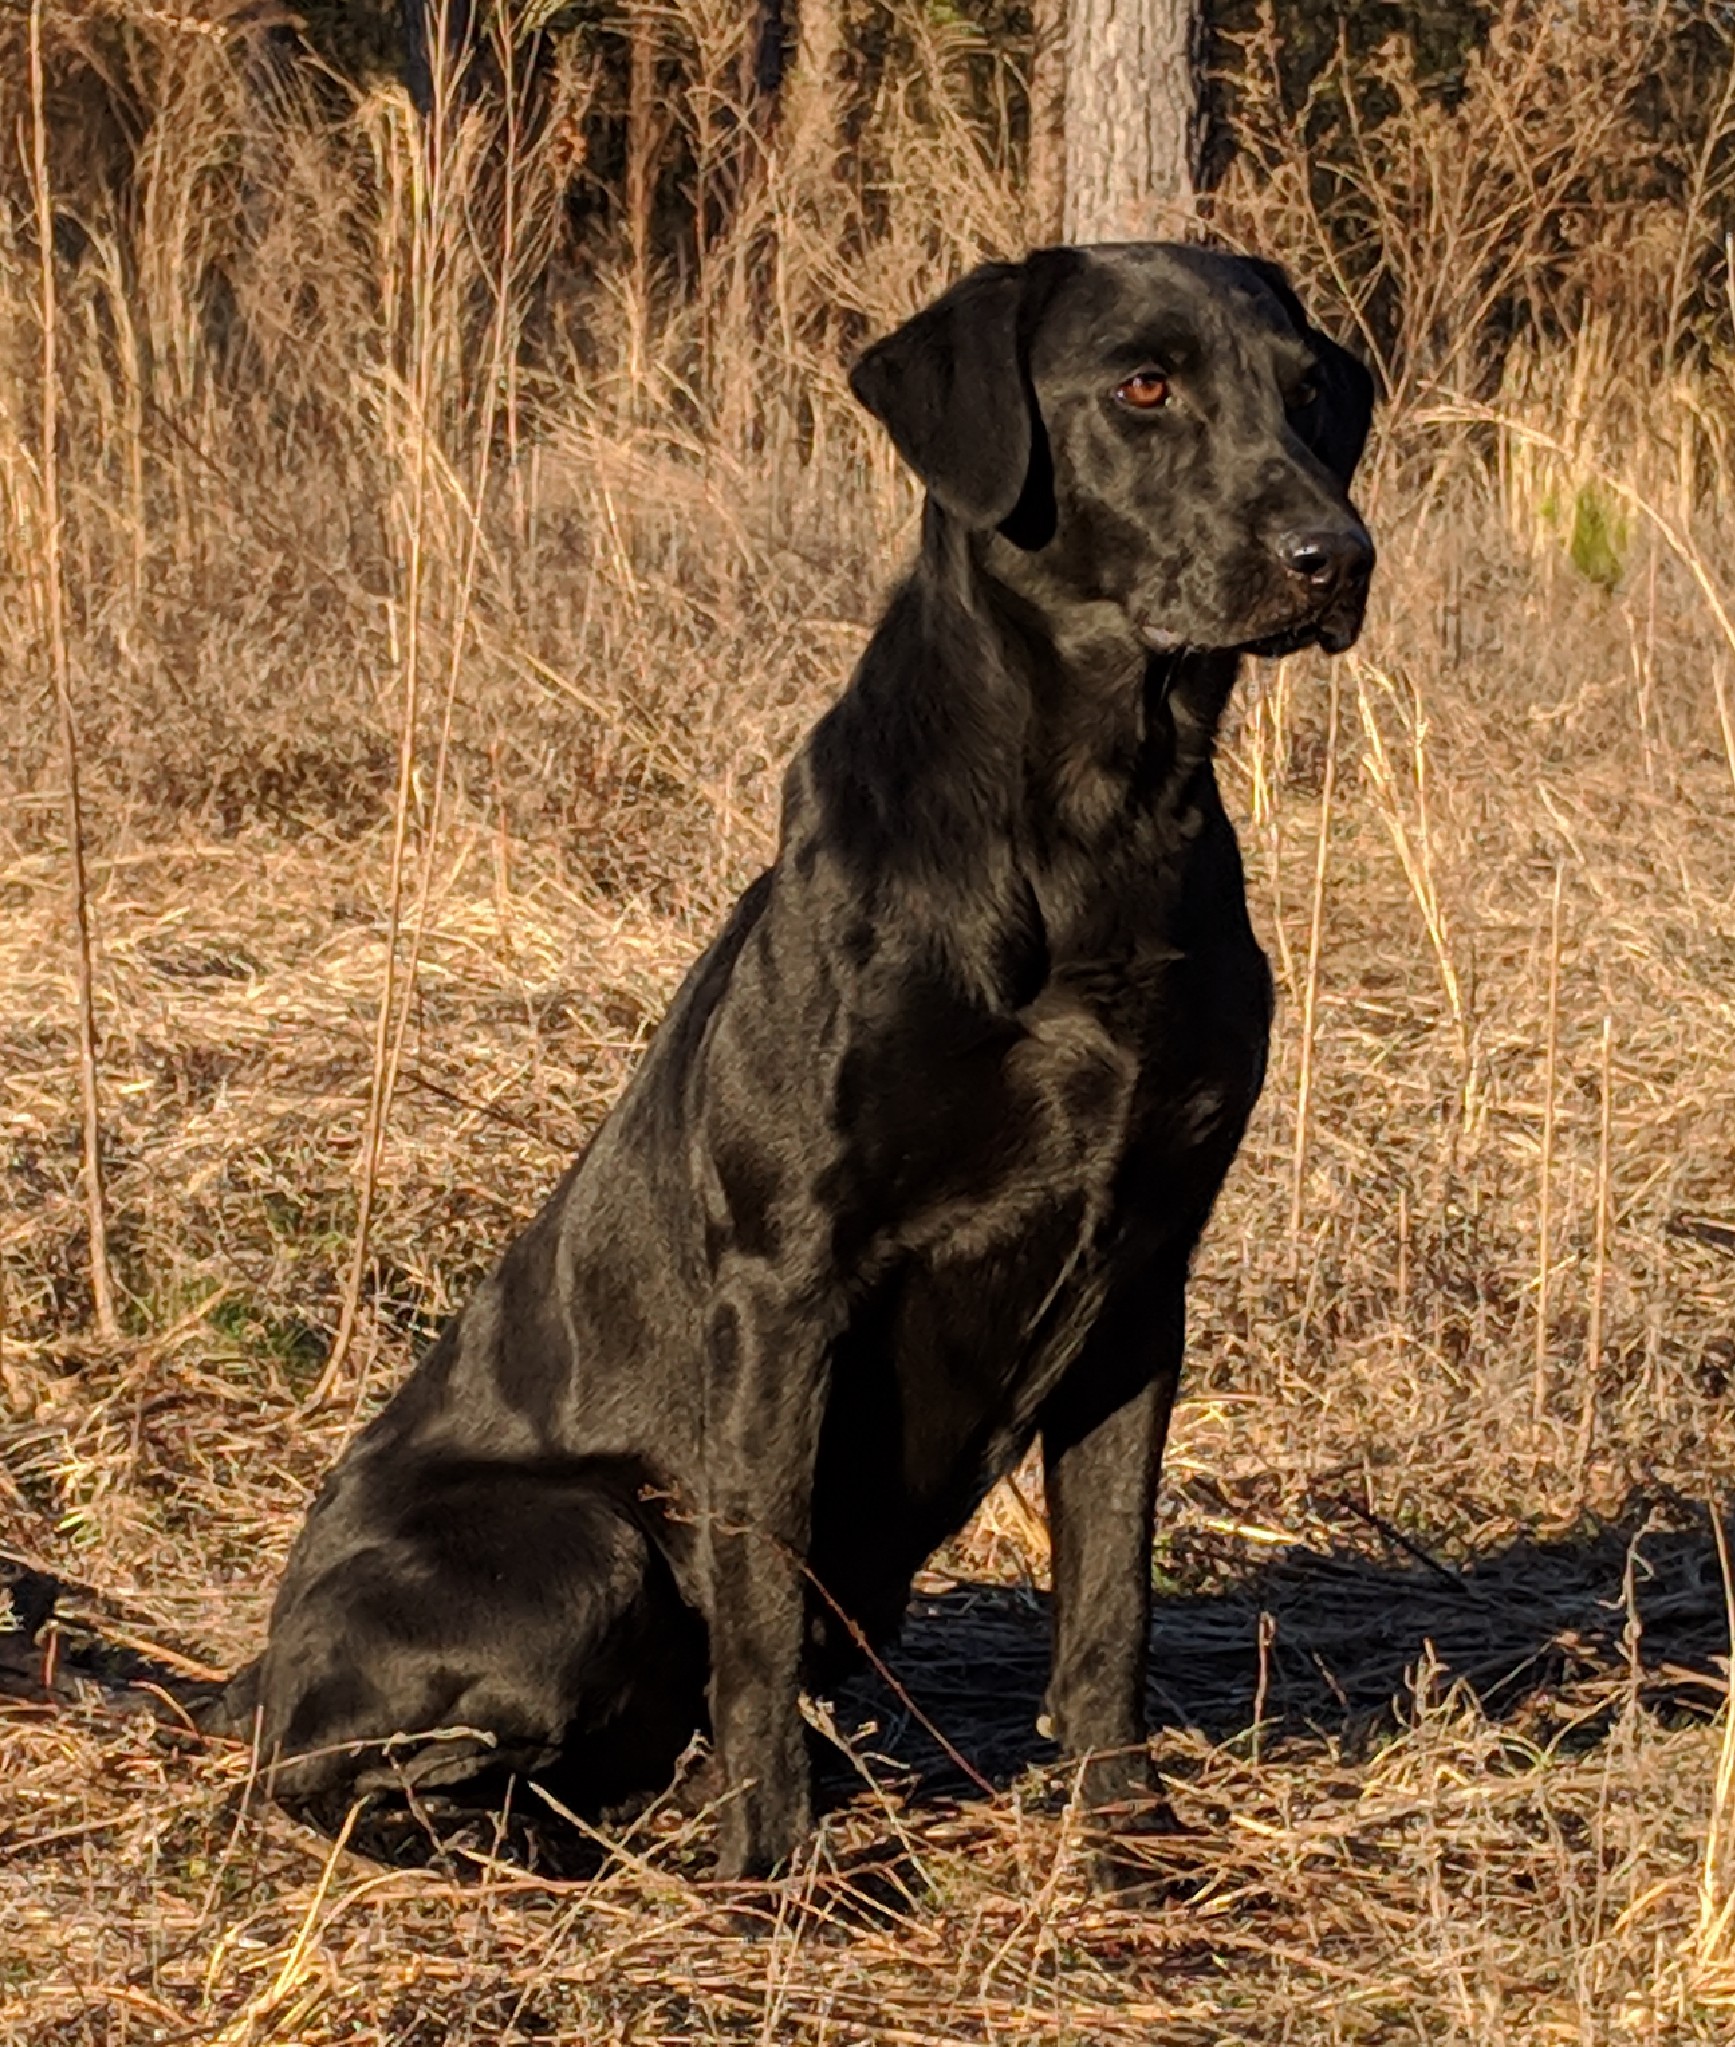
{"x": 1317, "y": 598}
{"x": 1330, "y": 566}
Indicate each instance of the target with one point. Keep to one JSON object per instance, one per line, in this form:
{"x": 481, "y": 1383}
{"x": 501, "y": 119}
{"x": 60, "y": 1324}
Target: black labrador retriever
{"x": 915, "y": 1165}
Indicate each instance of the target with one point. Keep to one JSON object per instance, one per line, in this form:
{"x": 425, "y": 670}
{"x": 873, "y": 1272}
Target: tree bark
{"x": 1134, "y": 122}
{"x": 813, "y": 99}
{"x": 1045, "y": 177}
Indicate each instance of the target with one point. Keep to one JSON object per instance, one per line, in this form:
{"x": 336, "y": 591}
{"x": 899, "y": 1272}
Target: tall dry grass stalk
{"x": 1310, "y": 981}
{"x": 1725, "y": 725}
{"x": 427, "y": 165}
{"x": 453, "y": 392}
{"x": 53, "y": 601}
{"x": 1412, "y": 836}
{"x": 1545, "y": 1173}
{"x": 1604, "y": 1213}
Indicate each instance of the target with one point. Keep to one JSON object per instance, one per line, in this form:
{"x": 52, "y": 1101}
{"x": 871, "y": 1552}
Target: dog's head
{"x": 1153, "y": 426}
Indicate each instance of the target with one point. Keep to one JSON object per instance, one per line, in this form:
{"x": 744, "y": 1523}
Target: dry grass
{"x": 1441, "y": 1653}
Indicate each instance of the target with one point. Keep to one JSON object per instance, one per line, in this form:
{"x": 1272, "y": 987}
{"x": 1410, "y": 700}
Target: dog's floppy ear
{"x": 1348, "y": 410}
{"x": 1349, "y": 406}
{"x": 950, "y": 388}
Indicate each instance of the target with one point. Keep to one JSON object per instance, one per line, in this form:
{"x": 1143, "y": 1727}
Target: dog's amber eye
{"x": 1144, "y": 391}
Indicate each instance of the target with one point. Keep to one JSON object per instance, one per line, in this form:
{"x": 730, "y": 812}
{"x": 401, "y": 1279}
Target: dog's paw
{"x": 1117, "y": 1874}
{"x": 1135, "y": 1843}
{"x": 1117, "y": 1781}
{"x": 757, "y": 1844}
{"x": 744, "y": 1859}
{"x": 746, "y": 1885}
{"x": 743, "y": 1911}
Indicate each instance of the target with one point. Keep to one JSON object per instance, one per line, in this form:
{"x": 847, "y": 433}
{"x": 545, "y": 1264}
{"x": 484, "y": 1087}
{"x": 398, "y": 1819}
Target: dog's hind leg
{"x": 444, "y": 1624}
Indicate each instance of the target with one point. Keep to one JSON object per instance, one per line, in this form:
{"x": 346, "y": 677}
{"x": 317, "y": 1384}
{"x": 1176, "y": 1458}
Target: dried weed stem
{"x": 102, "y": 1285}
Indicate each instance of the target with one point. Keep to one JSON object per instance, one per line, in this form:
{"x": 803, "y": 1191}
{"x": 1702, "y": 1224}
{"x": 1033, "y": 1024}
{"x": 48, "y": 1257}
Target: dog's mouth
{"x": 1304, "y": 589}
{"x": 1334, "y": 631}
{"x": 1334, "y": 628}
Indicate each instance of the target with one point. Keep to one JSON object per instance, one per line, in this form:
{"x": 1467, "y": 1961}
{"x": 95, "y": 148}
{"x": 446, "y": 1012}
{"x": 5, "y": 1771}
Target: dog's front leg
{"x": 1102, "y": 1443}
{"x": 766, "y": 1364}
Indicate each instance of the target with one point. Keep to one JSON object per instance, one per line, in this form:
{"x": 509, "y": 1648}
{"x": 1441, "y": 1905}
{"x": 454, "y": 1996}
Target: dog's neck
{"x": 992, "y": 780}
{"x": 1104, "y": 722}
{"x": 985, "y": 709}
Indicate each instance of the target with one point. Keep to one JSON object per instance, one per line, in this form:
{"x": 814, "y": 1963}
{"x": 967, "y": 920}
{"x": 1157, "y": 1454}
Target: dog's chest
{"x": 1023, "y": 1165}
{"x": 1153, "y": 945}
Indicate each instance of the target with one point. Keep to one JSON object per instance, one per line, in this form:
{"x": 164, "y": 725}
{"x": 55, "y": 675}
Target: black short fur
{"x": 913, "y": 1170}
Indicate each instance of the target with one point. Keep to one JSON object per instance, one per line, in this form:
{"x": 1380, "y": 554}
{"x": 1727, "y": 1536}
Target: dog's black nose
{"x": 1327, "y": 559}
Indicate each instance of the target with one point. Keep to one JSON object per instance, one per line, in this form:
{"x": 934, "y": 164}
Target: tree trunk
{"x": 1134, "y": 120}
{"x": 1045, "y": 177}
{"x": 813, "y": 97}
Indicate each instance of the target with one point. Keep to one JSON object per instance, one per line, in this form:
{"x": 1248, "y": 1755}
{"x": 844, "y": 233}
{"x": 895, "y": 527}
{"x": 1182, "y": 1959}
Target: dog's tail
{"x": 63, "y": 1642}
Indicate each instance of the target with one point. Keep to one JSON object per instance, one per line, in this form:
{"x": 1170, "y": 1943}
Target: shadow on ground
{"x": 1312, "y": 1645}
{"x": 1344, "y": 1633}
